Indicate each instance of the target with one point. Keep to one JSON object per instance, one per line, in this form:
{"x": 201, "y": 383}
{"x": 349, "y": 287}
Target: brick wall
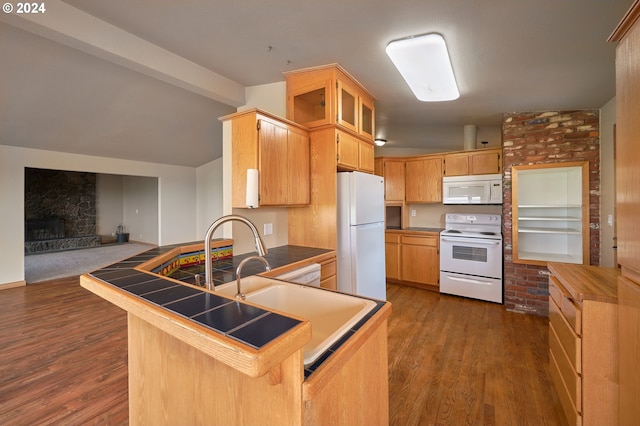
{"x": 542, "y": 138}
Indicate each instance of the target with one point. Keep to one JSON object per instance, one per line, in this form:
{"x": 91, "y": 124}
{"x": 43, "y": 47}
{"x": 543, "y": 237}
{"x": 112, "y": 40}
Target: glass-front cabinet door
{"x": 347, "y": 106}
{"x": 366, "y": 118}
{"x": 311, "y": 105}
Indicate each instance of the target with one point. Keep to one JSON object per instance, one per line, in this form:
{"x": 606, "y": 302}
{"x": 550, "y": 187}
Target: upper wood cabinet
{"x": 423, "y": 179}
{"x": 353, "y": 153}
{"x": 476, "y": 162}
{"x": 328, "y": 95}
{"x": 279, "y": 150}
{"x": 392, "y": 170}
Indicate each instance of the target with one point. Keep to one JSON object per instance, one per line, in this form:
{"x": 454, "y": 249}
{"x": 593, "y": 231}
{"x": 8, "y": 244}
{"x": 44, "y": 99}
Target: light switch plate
{"x": 268, "y": 229}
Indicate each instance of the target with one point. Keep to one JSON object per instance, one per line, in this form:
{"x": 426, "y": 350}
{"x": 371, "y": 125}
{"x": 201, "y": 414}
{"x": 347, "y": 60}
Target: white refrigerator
{"x": 361, "y": 254}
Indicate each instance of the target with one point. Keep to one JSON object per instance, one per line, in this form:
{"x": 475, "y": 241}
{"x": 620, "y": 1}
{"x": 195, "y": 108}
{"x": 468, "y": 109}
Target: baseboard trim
{"x": 13, "y": 285}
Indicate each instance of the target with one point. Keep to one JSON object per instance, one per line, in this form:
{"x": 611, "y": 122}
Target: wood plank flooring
{"x": 456, "y": 361}
{"x": 452, "y": 361}
{"x": 63, "y": 356}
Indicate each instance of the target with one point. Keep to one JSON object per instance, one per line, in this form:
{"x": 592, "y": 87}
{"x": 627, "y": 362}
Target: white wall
{"x": 445, "y": 136}
{"x": 140, "y": 208}
{"x": 176, "y": 198}
{"x": 209, "y": 196}
{"x": 270, "y": 98}
{"x": 607, "y": 184}
{"x": 109, "y": 203}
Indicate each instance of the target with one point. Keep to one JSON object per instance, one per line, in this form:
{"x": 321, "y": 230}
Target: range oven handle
{"x": 468, "y": 280}
{"x": 471, "y": 240}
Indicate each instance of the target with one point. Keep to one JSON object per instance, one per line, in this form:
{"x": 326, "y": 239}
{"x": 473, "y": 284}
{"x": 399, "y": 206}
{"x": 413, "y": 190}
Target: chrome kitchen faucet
{"x": 260, "y": 247}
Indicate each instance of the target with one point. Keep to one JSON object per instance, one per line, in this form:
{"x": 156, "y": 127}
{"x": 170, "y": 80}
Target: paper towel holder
{"x": 252, "y": 198}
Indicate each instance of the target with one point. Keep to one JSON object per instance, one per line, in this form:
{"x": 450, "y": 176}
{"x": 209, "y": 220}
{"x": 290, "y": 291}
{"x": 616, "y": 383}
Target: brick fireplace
{"x": 60, "y": 210}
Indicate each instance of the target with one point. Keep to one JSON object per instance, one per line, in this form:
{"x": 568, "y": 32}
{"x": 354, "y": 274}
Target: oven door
{"x": 472, "y": 256}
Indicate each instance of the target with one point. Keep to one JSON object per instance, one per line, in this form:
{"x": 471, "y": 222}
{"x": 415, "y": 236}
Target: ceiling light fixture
{"x": 380, "y": 142}
{"x": 423, "y": 61}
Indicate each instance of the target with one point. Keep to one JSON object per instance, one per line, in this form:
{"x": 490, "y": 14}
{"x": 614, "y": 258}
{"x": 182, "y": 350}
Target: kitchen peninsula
{"x": 200, "y": 357}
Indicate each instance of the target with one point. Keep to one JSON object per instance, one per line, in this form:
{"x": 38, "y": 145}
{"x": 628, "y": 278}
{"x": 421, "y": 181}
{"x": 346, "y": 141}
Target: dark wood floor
{"x": 452, "y": 361}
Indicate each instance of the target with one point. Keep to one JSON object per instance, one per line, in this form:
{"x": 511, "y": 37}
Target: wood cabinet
{"x": 423, "y": 180}
{"x": 392, "y": 170}
{"x": 353, "y": 153}
{"x": 328, "y": 95}
{"x": 475, "y": 162}
{"x": 550, "y": 213}
{"x": 392, "y": 255}
{"x": 328, "y": 277}
{"x": 315, "y": 225}
{"x": 420, "y": 262}
{"x": 413, "y": 258}
{"x": 583, "y": 342}
{"x": 177, "y": 366}
{"x": 627, "y": 133}
{"x": 278, "y": 149}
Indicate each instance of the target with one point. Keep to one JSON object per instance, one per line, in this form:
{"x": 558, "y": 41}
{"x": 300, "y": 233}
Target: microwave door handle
{"x": 471, "y": 240}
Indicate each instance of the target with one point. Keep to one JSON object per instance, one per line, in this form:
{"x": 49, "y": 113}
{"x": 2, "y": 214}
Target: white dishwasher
{"x": 308, "y": 275}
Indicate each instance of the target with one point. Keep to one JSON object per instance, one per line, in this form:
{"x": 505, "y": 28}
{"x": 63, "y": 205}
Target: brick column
{"x": 543, "y": 138}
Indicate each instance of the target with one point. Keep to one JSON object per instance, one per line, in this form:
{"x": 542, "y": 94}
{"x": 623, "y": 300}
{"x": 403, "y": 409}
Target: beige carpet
{"x": 49, "y": 266}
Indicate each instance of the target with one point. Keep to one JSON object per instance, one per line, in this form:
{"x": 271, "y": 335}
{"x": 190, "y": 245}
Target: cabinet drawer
{"x": 327, "y": 269}
{"x": 563, "y": 300}
{"x": 420, "y": 240}
{"x": 391, "y": 238}
{"x": 571, "y": 379}
{"x": 572, "y": 415}
{"x": 568, "y": 339}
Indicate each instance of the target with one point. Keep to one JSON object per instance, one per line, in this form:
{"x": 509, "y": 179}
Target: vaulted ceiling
{"x": 147, "y": 79}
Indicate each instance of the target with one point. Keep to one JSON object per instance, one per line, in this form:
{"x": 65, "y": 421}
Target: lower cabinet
{"x": 328, "y": 277}
{"x": 392, "y": 255}
{"x": 583, "y": 342}
{"x": 413, "y": 258}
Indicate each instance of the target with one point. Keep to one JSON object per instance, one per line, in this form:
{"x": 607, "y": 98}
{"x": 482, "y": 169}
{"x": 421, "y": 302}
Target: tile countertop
{"x": 244, "y": 323}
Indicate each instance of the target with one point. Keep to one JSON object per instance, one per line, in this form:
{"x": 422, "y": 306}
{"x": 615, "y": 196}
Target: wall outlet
{"x": 413, "y": 212}
{"x": 268, "y": 229}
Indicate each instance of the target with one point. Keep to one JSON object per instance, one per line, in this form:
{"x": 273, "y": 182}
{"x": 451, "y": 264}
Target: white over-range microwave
{"x": 477, "y": 189}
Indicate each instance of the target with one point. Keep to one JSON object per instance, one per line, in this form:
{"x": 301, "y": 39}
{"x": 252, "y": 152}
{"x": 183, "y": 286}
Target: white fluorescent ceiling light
{"x": 423, "y": 61}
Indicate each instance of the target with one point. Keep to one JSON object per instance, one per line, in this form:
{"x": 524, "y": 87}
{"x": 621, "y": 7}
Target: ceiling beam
{"x": 74, "y": 28}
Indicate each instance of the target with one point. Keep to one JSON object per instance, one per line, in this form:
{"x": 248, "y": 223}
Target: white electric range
{"x": 471, "y": 256}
